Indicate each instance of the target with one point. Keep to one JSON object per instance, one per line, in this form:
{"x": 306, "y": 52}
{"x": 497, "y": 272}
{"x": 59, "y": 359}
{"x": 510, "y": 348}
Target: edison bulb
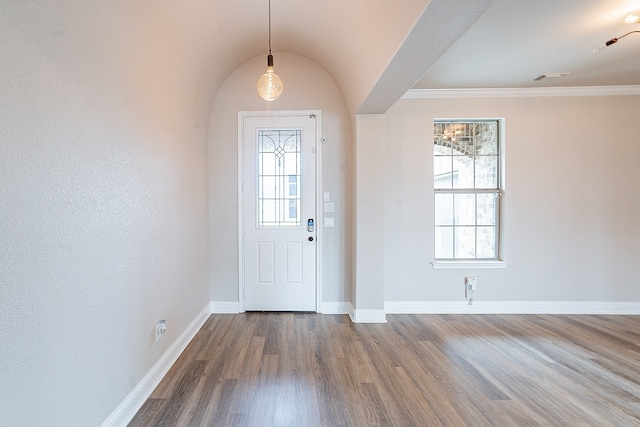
{"x": 270, "y": 85}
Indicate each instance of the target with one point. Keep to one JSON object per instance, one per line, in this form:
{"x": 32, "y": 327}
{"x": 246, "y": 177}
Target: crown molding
{"x": 522, "y": 92}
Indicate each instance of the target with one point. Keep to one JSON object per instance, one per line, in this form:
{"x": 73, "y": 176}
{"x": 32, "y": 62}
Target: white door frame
{"x": 318, "y": 202}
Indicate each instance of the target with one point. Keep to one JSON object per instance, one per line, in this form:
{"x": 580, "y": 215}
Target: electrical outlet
{"x": 471, "y": 283}
{"x": 161, "y": 328}
{"x": 470, "y": 286}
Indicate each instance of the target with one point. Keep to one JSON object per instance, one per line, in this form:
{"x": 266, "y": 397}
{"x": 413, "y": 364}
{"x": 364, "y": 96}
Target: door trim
{"x": 318, "y": 199}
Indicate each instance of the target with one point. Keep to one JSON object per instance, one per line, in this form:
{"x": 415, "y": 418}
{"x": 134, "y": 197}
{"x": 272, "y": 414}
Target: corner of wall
{"x": 136, "y": 398}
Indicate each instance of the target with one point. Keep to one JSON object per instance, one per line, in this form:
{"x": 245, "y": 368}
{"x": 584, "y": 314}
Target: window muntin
{"x": 467, "y": 185}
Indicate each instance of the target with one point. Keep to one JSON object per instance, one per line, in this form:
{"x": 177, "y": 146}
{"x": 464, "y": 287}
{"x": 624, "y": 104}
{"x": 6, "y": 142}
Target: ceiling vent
{"x": 550, "y": 76}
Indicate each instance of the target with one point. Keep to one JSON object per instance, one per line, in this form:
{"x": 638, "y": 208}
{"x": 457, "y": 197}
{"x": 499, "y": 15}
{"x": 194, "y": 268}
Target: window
{"x": 467, "y": 183}
{"x": 278, "y": 178}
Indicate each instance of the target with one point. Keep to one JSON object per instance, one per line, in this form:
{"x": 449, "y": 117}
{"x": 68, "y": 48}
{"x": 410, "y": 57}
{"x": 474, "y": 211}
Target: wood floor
{"x": 304, "y": 370}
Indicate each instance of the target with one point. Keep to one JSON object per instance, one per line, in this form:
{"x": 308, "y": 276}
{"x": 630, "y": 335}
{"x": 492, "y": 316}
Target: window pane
{"x": 293, "y": 186}
{"x": 441, "y": 139}
{"x": 267, "y": 211}
{"x": 444, "y": 209}
{"x": 486, "y": 139}
{"x": 290, "y": 164}
{"x": 290, "y": 141}
{"x": 444, "y": 242}
{"x": 465, "y": 209}
{"x": 465, "y": 242}
{"x": 442, "y": 172}
{"x": 278, "y": 195}
{"x": 293, "y": 209}
{"x": 486, "y": 172}
{"x": 266, "y": 142}
{"x": 486, "y": 242}
{"x": 268, "y": 163}
{"x": 267, "y": 187}
{"x": 486, "y": 209}
{"x": 463, "y": 172}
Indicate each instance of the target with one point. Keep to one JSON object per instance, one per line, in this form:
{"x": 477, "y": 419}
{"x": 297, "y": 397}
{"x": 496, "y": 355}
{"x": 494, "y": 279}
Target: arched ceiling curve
{"x": 352, "y": 40}
{"x": 376, "y": 50}
{"x": 181, "y": 51}
{"x": 355, "y": 41}
{"x": 162, "y": 55}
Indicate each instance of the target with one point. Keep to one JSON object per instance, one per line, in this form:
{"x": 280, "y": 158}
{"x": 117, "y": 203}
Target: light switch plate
{"x": 329, "y": 207}
{"x": 328, "y": 222}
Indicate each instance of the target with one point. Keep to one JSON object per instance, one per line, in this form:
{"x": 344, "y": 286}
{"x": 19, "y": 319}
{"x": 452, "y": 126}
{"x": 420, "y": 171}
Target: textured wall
{"x": 570, "y": 199}
{"x": 103, "y": 209}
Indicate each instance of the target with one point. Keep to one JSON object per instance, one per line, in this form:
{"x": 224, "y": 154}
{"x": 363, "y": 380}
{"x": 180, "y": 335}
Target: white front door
{"x": 279, "y": 212}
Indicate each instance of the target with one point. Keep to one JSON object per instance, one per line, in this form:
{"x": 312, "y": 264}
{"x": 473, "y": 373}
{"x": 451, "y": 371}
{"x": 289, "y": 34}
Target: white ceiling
{"x": 376, "y": 50}
{"x": 517, "y": 40}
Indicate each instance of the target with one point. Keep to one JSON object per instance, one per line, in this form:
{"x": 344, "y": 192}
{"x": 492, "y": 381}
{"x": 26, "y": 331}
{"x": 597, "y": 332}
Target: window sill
{"x": 451, "y": 265}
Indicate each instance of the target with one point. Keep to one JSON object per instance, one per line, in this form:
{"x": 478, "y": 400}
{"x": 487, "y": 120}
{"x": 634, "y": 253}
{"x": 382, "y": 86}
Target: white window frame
{"x": 481, "y": 263}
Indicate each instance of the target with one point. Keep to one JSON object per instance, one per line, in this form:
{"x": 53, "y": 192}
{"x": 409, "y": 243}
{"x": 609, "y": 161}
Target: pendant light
{"x": 632, "y": 18}
{"x": 270, "y": 84}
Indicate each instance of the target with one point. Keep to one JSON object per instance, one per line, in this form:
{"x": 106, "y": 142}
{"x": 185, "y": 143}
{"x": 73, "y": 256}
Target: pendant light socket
{"x": 270, "y": 84}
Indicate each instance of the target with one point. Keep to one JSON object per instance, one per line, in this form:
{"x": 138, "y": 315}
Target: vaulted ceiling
{"x": 375, "y": 50}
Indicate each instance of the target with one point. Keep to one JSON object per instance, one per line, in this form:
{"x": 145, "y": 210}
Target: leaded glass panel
{"x": 278, "y": 195}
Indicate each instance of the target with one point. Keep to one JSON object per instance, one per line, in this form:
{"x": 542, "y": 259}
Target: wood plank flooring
{"x": 305, "y": 370}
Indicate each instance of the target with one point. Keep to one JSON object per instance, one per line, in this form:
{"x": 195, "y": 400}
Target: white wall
{"x": 306, "y": 87}
{"x": 369, "y": 210}
{"x": 570, "y": 208}
{"x": 103, "y": 207}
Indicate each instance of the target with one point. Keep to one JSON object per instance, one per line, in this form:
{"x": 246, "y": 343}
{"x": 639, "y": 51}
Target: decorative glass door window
{"x": 278, "y": 195}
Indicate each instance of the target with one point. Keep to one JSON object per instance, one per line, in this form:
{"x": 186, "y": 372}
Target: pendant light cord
{"x": 269, "y": 27}
{"x": 615, "y": 39}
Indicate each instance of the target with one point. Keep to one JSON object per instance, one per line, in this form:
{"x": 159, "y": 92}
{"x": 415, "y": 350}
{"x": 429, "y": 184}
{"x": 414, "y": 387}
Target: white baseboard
{"x": 366, "y": 316}
{"x": 134, "y": 401}
{"x": 225, "y": 307}
{"x": 231, "y": 307}
{"x": 513, "y": 307}
{"x": 335, "y": 307}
